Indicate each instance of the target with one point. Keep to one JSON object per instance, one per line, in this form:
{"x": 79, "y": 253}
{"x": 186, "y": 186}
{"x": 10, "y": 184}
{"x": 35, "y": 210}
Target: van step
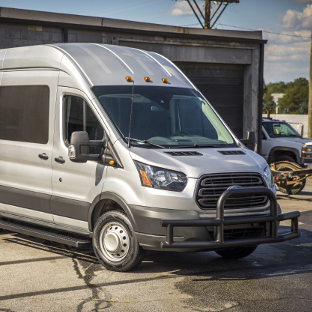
{"x": 48, "y": 235}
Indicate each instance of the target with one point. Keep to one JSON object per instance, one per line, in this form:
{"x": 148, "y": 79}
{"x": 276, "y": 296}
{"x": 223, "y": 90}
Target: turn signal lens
{"x": 164, "y": 80}
{"x": 72, "y": 152}
{"x": 128, "y": 79}
{"x": 147, "y": 79}
{"x": 303, "y": 154}
{"x": 111, "y": 162}
{"x": 145, "y": 179}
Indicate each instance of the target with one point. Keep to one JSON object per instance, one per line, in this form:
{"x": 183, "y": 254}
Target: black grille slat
{"x": 232, "y": 152}
{"x": 212, "y": 186}
{"x": 184, "y": 153}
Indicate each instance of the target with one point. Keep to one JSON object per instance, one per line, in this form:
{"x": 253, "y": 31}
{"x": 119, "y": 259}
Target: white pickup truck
{"x": 285, "y": 150}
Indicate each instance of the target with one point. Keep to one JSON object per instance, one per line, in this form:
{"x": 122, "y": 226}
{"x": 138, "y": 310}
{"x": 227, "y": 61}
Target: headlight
{"x": 306, "y": 151}
{"x": 161, "y": 178}
{"x": 268, "y": 177}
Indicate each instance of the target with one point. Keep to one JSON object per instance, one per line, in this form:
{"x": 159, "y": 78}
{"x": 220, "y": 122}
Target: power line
{"x": 270, "y": 32}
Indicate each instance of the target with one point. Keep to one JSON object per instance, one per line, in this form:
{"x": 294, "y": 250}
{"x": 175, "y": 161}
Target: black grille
{"x": 212, "y": 186}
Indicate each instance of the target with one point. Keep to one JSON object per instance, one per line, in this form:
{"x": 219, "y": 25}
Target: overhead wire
{"x": 266, "y": 31}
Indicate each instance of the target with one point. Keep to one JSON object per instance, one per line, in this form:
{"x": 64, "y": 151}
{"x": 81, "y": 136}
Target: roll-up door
{"x": 223, "y": 87}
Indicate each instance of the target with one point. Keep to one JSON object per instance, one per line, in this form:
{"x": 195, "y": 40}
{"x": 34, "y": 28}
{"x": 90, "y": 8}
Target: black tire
{"x": 290, "y": 166}
{"x": 115, "y": 244}
{"x": 236, "y": 253}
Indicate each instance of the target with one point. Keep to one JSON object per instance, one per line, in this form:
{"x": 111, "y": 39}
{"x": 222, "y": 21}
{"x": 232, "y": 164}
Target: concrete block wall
{"x": 16, "y": 35}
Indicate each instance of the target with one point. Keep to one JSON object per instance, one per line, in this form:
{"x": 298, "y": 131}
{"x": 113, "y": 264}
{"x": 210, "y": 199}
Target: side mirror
{"x": 250, "y": 141}
{"x": 79, "y": 149}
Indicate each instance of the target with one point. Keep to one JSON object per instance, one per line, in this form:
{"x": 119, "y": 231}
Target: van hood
{"x": 209, "y": 160}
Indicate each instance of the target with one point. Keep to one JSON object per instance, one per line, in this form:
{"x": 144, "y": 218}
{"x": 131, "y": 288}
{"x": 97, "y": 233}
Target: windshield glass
{"x": 280, "y": 129}
{"x": 166, "y": 116}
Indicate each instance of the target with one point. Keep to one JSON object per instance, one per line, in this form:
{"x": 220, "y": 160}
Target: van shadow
{"x": 291, "y": 257}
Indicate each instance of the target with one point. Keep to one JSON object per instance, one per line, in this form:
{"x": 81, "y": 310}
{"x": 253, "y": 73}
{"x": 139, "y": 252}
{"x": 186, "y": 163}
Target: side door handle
{"x": 43, "y": 156}
{"x": 60, "y": 160}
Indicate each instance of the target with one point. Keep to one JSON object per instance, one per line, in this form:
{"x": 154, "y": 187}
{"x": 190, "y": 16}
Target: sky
{"x": 286, "y": 24}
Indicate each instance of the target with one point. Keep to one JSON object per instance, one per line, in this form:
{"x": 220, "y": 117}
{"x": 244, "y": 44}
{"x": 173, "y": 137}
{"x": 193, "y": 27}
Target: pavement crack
{"x": 100, "y": 297}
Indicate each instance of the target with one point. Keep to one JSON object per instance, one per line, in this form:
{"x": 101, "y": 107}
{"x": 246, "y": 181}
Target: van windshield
{"x": 165, "y": 116}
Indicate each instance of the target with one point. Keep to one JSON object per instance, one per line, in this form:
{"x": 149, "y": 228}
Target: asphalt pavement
{"x": 37, "y": 275}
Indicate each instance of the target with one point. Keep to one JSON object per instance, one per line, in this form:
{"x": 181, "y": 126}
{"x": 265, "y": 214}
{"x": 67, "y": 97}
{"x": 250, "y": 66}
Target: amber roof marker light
{"x": 164, "y": 80}
{"x": 147, "y": 79}
{"x": 128, "y": 79}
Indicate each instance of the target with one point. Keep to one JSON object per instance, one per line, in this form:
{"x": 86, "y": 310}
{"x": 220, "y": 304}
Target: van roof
{"x": 101, "y": 64}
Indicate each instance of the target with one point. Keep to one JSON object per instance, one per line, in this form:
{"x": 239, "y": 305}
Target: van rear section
{"x": 115, "y": 147}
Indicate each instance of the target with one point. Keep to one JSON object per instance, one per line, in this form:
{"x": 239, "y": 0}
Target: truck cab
{"x": 281, "y": 142}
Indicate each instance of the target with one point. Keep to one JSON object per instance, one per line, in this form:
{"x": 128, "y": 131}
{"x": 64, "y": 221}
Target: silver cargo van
{"x": 116, "y": 146}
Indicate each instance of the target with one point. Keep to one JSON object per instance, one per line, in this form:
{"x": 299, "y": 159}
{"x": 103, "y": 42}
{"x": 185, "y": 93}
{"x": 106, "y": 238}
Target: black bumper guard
{"x": 219, "y": 222}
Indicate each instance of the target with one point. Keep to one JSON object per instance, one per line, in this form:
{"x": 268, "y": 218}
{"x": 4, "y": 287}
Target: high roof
{"x": 106, "y": 64}
{"x": 100, "y": 64}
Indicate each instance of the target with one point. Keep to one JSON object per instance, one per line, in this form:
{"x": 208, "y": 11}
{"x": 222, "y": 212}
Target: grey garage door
{"x": 223, "y": 86}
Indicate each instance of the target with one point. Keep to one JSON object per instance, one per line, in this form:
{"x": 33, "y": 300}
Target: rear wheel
{"x": 236, "y": 253}
{"x": 115, "y": 244}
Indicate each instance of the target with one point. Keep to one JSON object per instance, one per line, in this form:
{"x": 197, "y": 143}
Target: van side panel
{"x": 26, "y": 140}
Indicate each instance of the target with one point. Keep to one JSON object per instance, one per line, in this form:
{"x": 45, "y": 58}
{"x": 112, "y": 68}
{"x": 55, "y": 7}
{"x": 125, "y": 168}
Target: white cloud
{"x": 181, "y": 8}
{"x": 287, "y": 58}
{"x": 287, "y": 37}
{"x": 276, "y": 71}
{"x": 295, "y": 51}
{"x": 297, "y": 20}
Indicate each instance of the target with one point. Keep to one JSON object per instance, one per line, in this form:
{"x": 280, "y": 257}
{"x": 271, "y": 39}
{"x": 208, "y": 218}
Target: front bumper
{"x": 271, "y": 222}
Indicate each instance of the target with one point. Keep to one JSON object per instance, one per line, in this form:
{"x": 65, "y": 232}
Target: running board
{"x": 48, "y": 235}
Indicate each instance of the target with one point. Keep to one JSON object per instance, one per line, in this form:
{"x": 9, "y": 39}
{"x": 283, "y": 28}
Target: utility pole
{"x": 310, "y": 95}
{"x": 207, "y": 14}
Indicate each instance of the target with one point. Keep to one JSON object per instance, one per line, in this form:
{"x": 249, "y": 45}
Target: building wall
{"x": 185, "y": 46}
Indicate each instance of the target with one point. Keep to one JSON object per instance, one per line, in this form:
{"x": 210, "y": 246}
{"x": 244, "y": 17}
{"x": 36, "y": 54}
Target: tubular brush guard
{"x": 219, "y": 222}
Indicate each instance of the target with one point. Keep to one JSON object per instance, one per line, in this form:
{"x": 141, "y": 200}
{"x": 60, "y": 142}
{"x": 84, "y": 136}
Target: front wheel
{"x": 236, "y": 253}
{"x": 115, "y": 244}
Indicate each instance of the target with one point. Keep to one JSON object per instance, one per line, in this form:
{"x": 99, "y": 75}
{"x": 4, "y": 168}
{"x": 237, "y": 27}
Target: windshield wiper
{"x": 144, "y": 141}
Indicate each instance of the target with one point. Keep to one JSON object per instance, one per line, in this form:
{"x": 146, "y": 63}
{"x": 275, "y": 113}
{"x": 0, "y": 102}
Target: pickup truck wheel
{"x": 289, "y": 189}
{"x": 236, "y": 253}
{"x": 115, "y": 244}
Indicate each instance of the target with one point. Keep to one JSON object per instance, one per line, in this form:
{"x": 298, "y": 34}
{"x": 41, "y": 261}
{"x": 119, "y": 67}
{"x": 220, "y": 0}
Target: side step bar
{"x": 48, "y": 235}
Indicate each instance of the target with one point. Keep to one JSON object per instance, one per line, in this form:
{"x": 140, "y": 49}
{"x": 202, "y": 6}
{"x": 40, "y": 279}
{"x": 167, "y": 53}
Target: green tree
{"x": 295, "y": 100}
{"x": 268, "y": 103}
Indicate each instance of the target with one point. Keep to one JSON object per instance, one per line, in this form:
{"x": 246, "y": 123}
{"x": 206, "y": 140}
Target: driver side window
{"x": 78, "y": 116}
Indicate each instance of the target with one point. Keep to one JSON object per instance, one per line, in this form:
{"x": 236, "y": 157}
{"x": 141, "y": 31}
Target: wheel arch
{"x": 104, "y": 202}
{"x": 277, "y": 151}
